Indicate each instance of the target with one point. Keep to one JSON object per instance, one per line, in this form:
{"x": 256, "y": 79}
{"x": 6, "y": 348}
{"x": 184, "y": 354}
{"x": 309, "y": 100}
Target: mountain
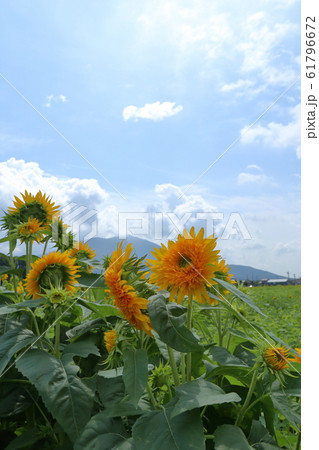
{"x": 143, "y": 247}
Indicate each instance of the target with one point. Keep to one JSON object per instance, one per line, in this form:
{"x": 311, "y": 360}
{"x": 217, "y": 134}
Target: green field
{"x": 282, "y": 306}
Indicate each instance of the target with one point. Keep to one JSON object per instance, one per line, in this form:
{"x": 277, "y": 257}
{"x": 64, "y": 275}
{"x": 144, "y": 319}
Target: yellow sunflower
{"x": 110, "y": 340}
{"x": 55, "y": 270}
{"x": 296, "y": 358}
{"x": 124, "y": 295}
{"x": 37, "y": 206}
{"x": 276, "y": 357}
{"x": 185, "y": 267}
{"x": 82, "y": 251}
{"x": 223, "y": 273}
{"x": 30, "y": 230}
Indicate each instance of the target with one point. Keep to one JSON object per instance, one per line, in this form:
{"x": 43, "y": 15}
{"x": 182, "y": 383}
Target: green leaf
{"x": 269, "y": 414}
{"x": 283, "y": 404}
{"x": 135, "y": 373}
{"x": 241, "y": 373}
{"x": 101, "y": 310}
{"x": 7, "y": 309}
{"x": 84, "y": 327}
{"x": 169, "y": 324}
{"x": 231, "y": 288}
{"x": 198, "y": 393}
{"x": 66, "y": 396}
{"x": 111, "y": 390}
{"x": 83, "y": 348}
{"x": 157, "y": 430}
{"x": 91, "y": 280}
{"x": 259, "y": 435}
{"x": 9, "y": 270}
{"x": 13, "y": 341}
{"x": 26, "y": 439}
{"x": 225, "y": 358}
{"x": 13, "y": 399}
{"x": 230, "y": 437}
{"x": 101, "y": 433}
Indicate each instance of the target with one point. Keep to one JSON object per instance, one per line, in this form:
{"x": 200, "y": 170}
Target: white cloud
{"x": 245, "y": 178}
{"x": 238, "y": 85}
{"x": 54, "y": 98}
{"x": 276, "y": 135}
{"x": 153, "y": 111}
{"x": 254, "y": 166}
{"x": 270, "y": 220}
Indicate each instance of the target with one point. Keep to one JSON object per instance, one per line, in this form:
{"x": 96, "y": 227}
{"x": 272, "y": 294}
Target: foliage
{"x": 181, "y": 372}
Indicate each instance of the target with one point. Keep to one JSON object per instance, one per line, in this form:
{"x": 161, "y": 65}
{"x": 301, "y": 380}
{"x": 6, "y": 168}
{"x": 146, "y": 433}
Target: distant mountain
{"x": 142, "y": 247}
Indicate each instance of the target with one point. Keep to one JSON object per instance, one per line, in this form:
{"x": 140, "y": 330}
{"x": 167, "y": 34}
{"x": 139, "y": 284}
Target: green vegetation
{"x": 282, "y": 306}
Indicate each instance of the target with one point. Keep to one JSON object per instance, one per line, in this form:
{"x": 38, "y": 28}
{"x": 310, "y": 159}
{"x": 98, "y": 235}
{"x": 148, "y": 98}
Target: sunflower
{"x": 295, "y": 357}
{"x": 30, "y": 230}
{"x": 82, "y": 250}
{"x": 63, "y": 239}
{"x": 276, "y": 357}
{"x": 55, "y": 270}
{"x": 110, "y": 340}
{"x": 124, "y": 295}
{"x": 222, "y": 273}
{"x": 37, "y": 206}
{"x": 186, "y": 266}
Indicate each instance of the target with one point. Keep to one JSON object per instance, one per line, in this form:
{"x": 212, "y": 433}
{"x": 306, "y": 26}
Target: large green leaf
{"x": 225, "y": 358}
{"x": 198, "y": 393}
{"x": 239, "y": 294}
{"x": 157, "y": 430}
{"x": 230, "y": 437}
{"x": 259, "y": 437}
{"x": 241, "y": 373}
{"x": 13, "y": 399}
{"x": 111, "y": 390}
{"x": 135, "y": 373}
{"x": 27, "y": 439}
{"x": 101, "y": 433}
{"x": 7, "y": 309}
{"x": 99, "y": 309}
{"x": 83, "y": 348}
{"x": 66, "y": 396}
{"x": 169, "y": 322}
{"x": 91, "y": 280}
{"x": 283, "y": 404}
{"x": 13, "y": 341}
{"x": 84, "y": 327}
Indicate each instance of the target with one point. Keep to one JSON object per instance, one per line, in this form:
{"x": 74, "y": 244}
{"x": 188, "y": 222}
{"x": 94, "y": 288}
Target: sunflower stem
{"x": 189, "y": 326}
{"x": 45, "y": 246}
{"x": 12, "y": 264}
{"x": 57, "y": 334}
{"x": 173, "y": 365}
{"x": 183, "y": 368}
{"x": 244, "y": 408}
{"x": 151, "y": 395}
{"x": 28, "y": 246}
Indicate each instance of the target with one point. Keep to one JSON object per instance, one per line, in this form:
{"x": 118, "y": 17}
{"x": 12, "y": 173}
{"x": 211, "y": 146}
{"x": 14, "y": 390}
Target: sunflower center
{"x": 33, "y": 210}
{"x": 184, "y": 260}
{"x": 53, "y": 276}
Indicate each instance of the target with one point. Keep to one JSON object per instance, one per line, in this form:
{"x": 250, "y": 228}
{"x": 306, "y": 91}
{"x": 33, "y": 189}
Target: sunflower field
{"x": 127, "y": 353}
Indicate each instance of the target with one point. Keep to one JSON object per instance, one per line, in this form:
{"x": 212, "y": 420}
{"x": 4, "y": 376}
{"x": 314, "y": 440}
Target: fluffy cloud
{"x": 245, "y": 178}
{"x": 270, "y": 221}
{"x": 153, "y": 111}
{"x": 276, "y": 135}
{"x": 238, "y": 85}
{"x": 54, "y": 98}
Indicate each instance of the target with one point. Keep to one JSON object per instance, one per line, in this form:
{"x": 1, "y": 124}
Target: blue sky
{"x": 123, "y": 107}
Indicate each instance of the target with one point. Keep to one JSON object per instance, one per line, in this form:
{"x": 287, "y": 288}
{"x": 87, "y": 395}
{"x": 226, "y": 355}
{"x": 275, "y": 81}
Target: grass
{"x": 282, "y": 306}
